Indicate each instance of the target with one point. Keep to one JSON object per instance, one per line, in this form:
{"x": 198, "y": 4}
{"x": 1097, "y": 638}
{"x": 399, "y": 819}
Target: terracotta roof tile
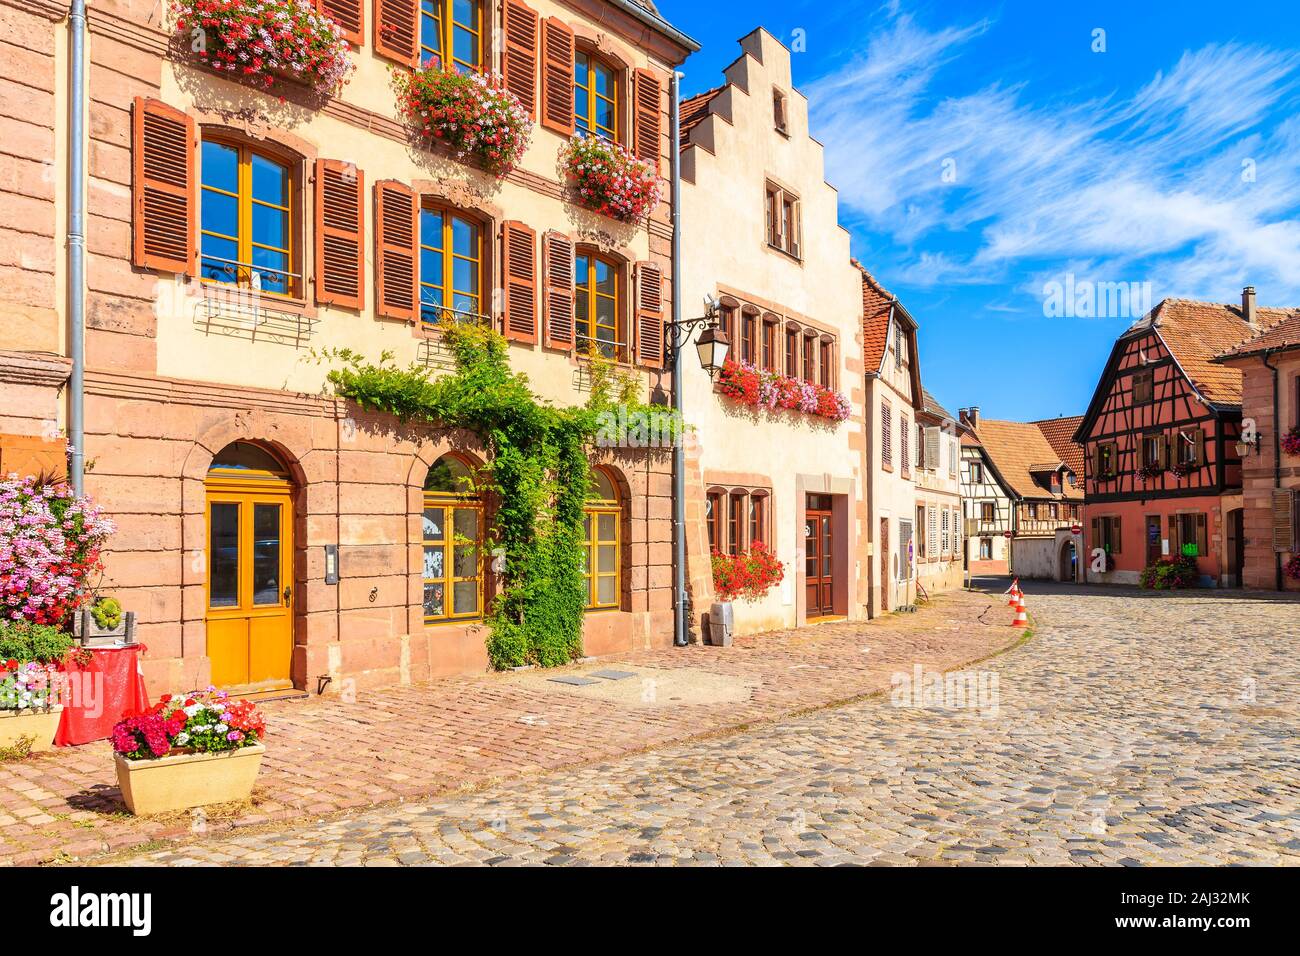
{"x": 693, "y": 112}
{"x": 933, "y": 407}
{"x": 876, "y": 300}
{"x": 1015, "y": 448}
{"x": 1283, "y": 335}
{"x": 1195, "y": 332}
{"x": 1059, "y": 433}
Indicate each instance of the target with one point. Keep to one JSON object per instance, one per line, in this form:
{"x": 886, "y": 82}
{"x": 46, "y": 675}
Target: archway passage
{"x": 249, "y": 595}
{"x": 1068, "y": 570}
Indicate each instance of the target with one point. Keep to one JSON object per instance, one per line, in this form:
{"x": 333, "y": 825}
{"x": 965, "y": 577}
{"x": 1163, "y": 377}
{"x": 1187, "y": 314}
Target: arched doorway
{"x": 1069, "y": 562}
{"x": 249, "y": 594}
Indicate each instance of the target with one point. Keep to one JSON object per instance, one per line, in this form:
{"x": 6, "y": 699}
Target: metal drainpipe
{"x": 77, "y": 246}
{"x": 1277, "y": 462}
{"x": 681, "y": 627}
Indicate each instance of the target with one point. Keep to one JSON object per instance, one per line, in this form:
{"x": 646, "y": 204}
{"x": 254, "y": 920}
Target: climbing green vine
{"x": 537, "y": 473}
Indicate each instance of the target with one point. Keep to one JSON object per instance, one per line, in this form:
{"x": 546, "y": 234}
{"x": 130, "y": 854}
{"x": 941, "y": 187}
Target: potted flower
{"x": 29, "y": 715}
{"x": 260, "y": 41}
{"x": 1292, "y": 568}
{"x": 104, "y": 622}
{"x": 472, "y": 113}
{"x": 747, "y": 384}
{"x": 610, "y": 180}
{"x": 1291, "y": 441}
{"x": 1147, "y": 472}
{"x": 189, "y": 751}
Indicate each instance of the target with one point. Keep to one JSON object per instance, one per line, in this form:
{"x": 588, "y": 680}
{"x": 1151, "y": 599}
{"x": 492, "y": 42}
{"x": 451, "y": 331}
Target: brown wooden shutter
{"x": 1284, "y": 506}
{"x": 396, "y": 28}
{"x": 163, "y": 182}
{"x": 348, "y": 14}
{"x": 650, "y": 315}
{"x": 1119, "y": 538}
{"x": 1198, "y": 447}
{"x": 1162, "y": 452}
{"x": 340, "y": 234}
{"x": 1094, "y": 535}
{"x": 558, "y": 295}
{"x": 647, "y": 94}
{"x": 519, "y": 247}
{"x": 557, "y": 76}
{"x": 1202, "y": 538}
{"x": 396, "y": 234}
{"x": 519, "y": 57}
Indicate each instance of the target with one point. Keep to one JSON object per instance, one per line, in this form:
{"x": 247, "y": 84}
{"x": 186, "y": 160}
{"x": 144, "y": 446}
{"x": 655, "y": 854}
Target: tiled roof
{"x": 1195, "y": 332}
{"x": 876, "y": 301}
{"x": 693, "y": 112}
{"x": 1015, "y": 448}
{"x": 1284, "y": 335}
{"x": 933, "y": 407}
{"x": 1059, "y": 433}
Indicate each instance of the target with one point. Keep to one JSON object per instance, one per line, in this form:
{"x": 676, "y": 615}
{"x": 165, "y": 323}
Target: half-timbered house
{"x": 987, "y": 506}
{"x": 1163, "y": 478}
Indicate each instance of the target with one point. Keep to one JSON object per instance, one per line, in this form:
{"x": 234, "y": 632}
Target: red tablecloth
{"x": 101, "y": 693}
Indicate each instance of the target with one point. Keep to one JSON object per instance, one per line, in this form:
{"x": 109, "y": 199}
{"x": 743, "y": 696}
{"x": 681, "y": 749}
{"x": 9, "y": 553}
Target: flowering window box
{"x": 471, "y": 114}
{"x": 608, "y": 179}
{"x": 262, "y": 41}
{"x": 27, "y": 708}
{"x": 1291, "y": 441}
{"x": 760, "y": 388}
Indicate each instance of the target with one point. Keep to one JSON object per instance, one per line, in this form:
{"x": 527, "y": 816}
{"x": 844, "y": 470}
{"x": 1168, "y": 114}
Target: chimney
{"x": 1248, "y": 305}
{"x": 973, "y": 417}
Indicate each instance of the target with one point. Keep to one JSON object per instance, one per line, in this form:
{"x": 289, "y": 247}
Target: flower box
{"x": 608, "y": 179}
{"x": 39, "y": 724}
{"x": 472, "y": 115}
{"x": 89, "y": 632}
{"x": 181, "y": 781}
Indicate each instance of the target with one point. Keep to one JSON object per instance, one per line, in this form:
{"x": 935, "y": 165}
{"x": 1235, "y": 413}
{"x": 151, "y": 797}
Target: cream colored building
{"x": 937, "y": 472}
{"x": 761, "y": 233}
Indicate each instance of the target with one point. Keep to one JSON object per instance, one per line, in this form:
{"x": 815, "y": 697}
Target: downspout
{"x": 1277, "y": 461}
{"x": 77, "y": 246}
{"x": 681, "y": 626}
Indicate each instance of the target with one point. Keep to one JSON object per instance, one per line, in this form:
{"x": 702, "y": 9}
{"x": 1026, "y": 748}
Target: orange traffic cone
{"x": 1014, "y": 593}
{"x": 1022, "y": 619}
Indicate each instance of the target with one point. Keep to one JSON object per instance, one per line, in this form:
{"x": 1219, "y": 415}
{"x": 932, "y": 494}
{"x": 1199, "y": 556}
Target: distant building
{"x": 938, "y": 497}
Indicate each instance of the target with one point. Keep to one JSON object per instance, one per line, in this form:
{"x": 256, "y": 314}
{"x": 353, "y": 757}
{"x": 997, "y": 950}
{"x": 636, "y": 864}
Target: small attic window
{"x": 779, "y": 112}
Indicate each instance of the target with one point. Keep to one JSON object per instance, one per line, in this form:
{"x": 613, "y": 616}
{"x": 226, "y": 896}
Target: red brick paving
{"x": 325, "y": 755}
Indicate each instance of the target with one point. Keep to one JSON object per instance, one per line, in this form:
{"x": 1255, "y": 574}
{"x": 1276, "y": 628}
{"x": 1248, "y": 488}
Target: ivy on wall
{"x": 537, "y": 471}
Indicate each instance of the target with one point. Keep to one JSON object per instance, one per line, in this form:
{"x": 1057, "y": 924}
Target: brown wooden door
{"x": 886, "y": 572}
{"x": 1154, "y": 549}
{"x": 819, "y": 549}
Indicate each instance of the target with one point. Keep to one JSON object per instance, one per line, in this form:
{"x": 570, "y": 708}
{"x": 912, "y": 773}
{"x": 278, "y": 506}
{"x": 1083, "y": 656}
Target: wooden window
{"x": 1106, "y": 534}
{"x": 976, "y": 472}
{"x": 1054, "y": 511}
{"x": 770, "y": 360}
{"x": 932, "y": 447}
{"x": 808, "y": 369}
{"x": 986, "y": 511}
{"x": 519, "y": 53}
{"x": 163, "y": 146}
{"x": 904, "y": 431}
{"x": 340, "y": 260}
{"x": 713, "y": 509}
{"x": 727, "y": 322}
{"x": 792, "y": 353}
{"x": 1104, "y": 463}
{"x": 396, "y": 231}
{"x": 558, "y": 292}
{"x": 1143, "y": 386}
{"x": 826, "y": 364}
{"x": 1188, "y": 535}
{"x": 886, "y": 424}
{"x": 451, "y": 266}
{"x": 350, "y": 15}
{"x": 451, "y": 32}
{"x": 602, "y": 542}
{"x": 945, "y": 545}
{"x": 747, "y": 341}
{"x": 779, "y": 111}
{"x": 1153, "y": 450}
{"x": 397, "y": 30}
{"x": 783, "y": 220}
{"x": 650, "y": 348}
{"x": 1286, "y": 518}
{"x": 736, "y": 524}
{"x": 557, "y": 77}
{"x": 1189, "y": 447}
{"x": 920, "y": 446}
{"x": 647, "y": 115}
{"x": 597, "y": 313}
{"x": 519, "y": 245}
{"x": 248, "y": 205}
{"x": 595, "y": 97}
{"x": 757, "y": 519}
{"x": 453, "y": 532}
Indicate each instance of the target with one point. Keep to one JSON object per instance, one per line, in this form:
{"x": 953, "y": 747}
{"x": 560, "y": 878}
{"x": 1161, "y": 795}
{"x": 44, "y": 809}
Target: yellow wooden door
{"x": 250, "y": 576}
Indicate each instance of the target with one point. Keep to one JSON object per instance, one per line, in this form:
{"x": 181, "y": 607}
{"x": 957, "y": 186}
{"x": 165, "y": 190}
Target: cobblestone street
{"x": 1133, "y": 729}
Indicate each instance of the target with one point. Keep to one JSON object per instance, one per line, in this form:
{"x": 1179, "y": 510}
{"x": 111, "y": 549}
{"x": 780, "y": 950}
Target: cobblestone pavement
{"x": 326, "y": 755}
{"x": 1133, "y": 729}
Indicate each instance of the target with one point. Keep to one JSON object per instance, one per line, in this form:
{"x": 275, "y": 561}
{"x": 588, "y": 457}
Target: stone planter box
{"x": 181, "y": 781}
{"x": 40, "y": 724}
{"x": 91, "y": 634}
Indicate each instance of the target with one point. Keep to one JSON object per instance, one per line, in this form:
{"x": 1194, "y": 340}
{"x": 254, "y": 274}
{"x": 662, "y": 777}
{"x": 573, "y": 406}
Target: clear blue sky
{"x": 1171, "y": 158}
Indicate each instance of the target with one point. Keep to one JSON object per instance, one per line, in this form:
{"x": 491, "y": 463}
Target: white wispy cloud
{"x": 1143, "y": 184}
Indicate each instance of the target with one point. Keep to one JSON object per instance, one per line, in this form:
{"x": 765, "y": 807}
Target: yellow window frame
{"x": 446, "y": 283}
{"x": 591, "y": 544}
{"x": 594, "y": 97}
{"x": 446, "y": 20}
{"x": 590, "y": 296}
{"x": 245, "y": 201}
{"x": 450, "y": 504}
